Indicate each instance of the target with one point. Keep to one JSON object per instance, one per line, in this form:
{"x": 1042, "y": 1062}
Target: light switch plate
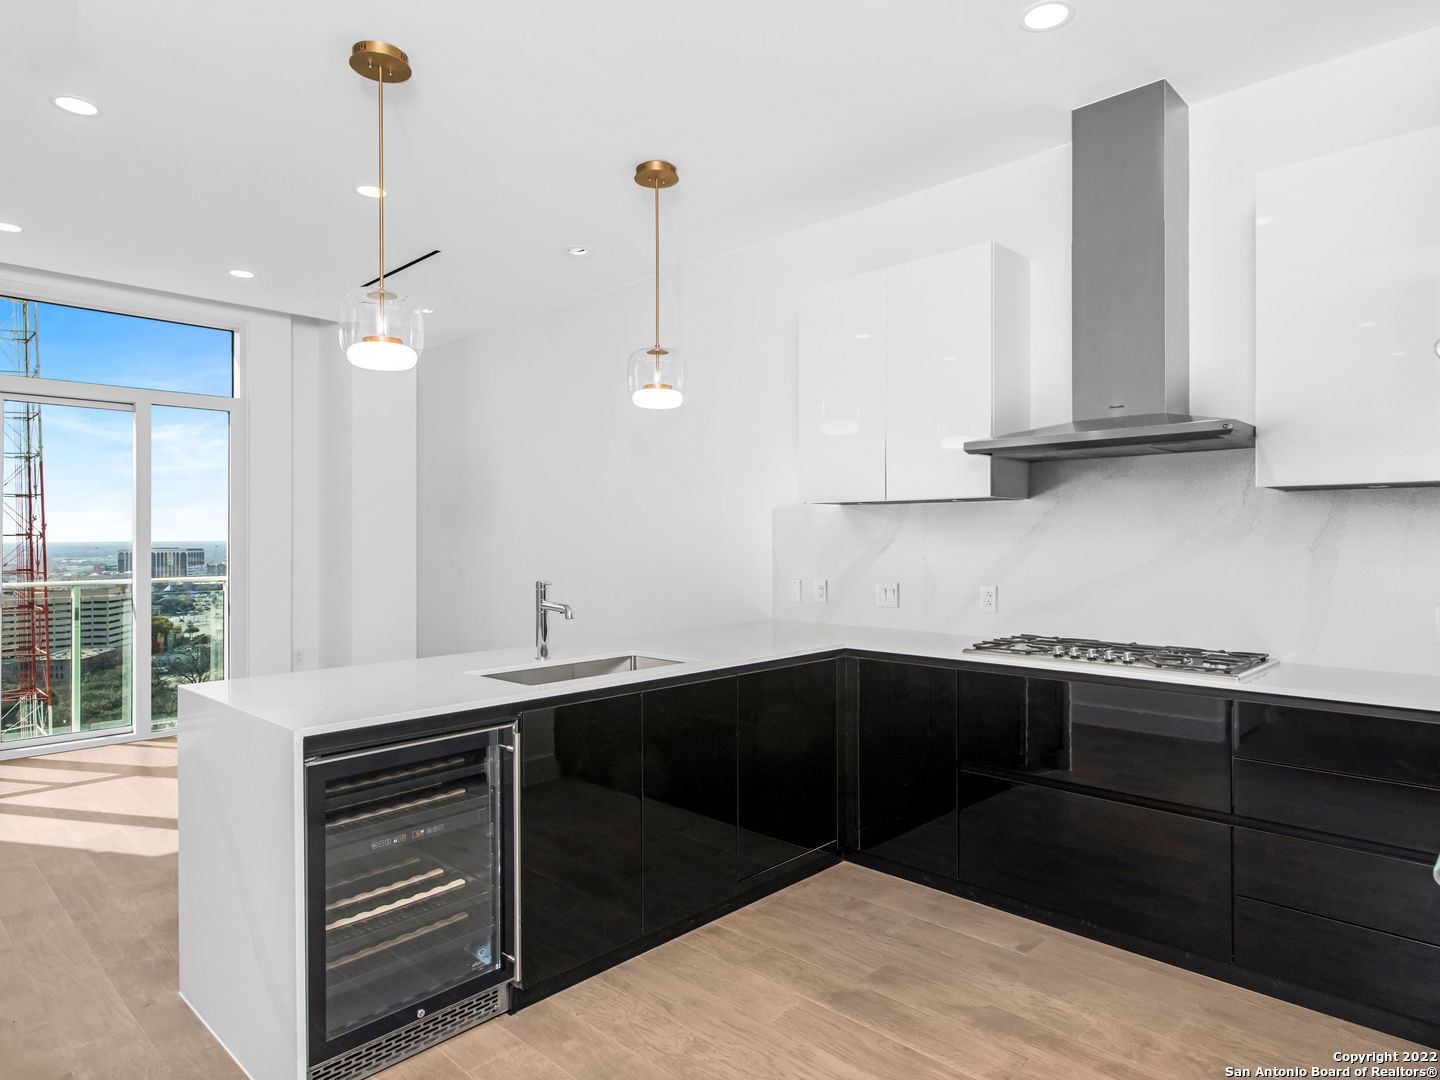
{"x": 797, "y": 590}
{"x": 820, "y": 591}
{"x": 989, "y": 599}
{"x": 887, "y": 594}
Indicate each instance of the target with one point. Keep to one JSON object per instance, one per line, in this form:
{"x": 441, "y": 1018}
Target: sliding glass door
{"x": 115, "y": 560}
{"x": 67, "y": 648}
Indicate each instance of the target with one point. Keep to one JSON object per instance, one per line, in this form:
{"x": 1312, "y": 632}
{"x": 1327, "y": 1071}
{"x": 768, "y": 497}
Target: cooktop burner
{"x": 1169, "y": 657}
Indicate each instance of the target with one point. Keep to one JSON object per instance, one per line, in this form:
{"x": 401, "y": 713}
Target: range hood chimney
{"x": 1130, "y": 257}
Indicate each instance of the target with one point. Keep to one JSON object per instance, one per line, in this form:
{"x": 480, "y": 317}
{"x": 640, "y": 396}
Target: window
{"x": 116, "y": 444}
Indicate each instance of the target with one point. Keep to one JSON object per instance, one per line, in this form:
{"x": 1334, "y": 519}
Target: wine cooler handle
{"x": 516, "y": 761}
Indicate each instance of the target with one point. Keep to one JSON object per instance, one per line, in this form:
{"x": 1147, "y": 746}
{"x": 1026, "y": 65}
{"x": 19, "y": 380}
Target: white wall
{"x": 355, "y": 537}
{"x": 533, "y": 463}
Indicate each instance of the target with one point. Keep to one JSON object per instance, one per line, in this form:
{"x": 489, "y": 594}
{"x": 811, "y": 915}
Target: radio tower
{"x": 25, "y": 704}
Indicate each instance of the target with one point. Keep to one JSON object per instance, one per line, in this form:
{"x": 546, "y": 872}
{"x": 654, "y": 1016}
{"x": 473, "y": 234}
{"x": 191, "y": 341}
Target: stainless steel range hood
{"x": 1129, "y": 291}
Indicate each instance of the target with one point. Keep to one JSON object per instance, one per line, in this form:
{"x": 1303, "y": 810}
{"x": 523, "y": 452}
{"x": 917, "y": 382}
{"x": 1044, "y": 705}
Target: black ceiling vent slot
{"x": 402, "y": 266}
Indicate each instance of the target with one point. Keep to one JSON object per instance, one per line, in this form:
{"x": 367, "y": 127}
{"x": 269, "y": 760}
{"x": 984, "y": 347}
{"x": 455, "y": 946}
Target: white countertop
{"x": 334, "y": 699}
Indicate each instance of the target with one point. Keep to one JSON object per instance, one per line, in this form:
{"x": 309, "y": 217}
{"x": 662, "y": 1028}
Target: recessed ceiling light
{"x": 427, "y": 311}
{"x": 1365, "y": 325}
{"x": 5, "y": 226}
{"x": 78, "y": 106}
{"x": 1046, "y": 15}
{"x": 1263, "y": 220}
{"x": 862, "y": 337}
{"x": 241, "y": 273}
{"x": 579, "y": 251}
{"x": 370, "y": 191}
{"x": 1398, "y": 352}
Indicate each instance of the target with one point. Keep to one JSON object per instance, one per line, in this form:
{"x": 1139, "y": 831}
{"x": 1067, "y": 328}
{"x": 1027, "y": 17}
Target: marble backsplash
{"x": 1172, "y": 549}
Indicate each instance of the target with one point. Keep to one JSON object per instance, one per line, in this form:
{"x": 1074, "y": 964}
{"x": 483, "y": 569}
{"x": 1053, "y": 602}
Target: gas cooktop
{"x": 1233, "y": 665}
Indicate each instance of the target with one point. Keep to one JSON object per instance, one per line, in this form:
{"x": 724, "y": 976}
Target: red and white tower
{"x": 25, "y": 691}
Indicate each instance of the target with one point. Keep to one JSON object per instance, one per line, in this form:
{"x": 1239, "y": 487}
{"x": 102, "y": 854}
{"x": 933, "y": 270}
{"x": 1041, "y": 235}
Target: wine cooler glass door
{"x": 409, "y": 903}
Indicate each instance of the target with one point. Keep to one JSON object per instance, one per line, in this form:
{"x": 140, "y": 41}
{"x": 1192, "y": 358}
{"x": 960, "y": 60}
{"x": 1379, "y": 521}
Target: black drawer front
{"x": 1011, "y": 722}
{"x": 1403, "y": 751}
{"x": 905, "y": 737}
{"x": 1399, "y": 815}
{"x": 1149, "y": 743}
{"x": 1392, "y": 895}
{"x": 1156, "y": 875}
{"x": 1351, "y": 962}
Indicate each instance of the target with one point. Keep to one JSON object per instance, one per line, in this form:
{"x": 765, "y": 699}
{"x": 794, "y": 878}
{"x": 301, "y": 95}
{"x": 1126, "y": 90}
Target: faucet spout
{"x": 543, "y": 607}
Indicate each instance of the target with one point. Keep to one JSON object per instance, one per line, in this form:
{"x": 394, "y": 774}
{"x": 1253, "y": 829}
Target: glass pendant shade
{"x": 381, "y": 337}
{"x": 657, "y": 378}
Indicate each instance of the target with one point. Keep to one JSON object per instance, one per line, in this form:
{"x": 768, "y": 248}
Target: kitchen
{"x": 1006, "y": 656}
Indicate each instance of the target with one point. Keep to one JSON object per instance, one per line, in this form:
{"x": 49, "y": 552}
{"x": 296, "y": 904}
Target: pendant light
{"x": 380, "y": 329}
{"x": 657, "y": 374}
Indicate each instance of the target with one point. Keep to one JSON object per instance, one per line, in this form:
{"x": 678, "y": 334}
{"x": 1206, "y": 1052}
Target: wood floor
{"x": 848, "y": 975}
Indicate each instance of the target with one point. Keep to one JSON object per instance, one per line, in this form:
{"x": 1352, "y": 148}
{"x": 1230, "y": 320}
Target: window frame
{"x": 117, "y": 300}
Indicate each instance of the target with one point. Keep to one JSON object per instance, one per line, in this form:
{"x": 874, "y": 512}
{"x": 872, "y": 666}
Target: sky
{"x": 89, "y": 452}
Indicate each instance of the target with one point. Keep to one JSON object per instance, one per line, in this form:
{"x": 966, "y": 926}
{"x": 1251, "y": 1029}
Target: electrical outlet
{"x": 887, "y": 594}
{"x": 797, "y": 590}
{"x": 820, "y": 591}
{"x": 989, "y": 599}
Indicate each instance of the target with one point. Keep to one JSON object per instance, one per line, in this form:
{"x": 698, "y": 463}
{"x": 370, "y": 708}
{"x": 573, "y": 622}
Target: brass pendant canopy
{"x": 656, "y": 174}
{"x": 377, "y": 59}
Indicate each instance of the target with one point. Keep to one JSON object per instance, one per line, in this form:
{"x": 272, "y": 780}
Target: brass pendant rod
{"x": 657, "y": 281}
{"x": 381, "y": 81}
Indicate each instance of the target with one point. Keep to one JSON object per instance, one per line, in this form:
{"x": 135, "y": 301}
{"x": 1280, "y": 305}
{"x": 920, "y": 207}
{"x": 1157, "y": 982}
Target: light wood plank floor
{"x": 848, "y": 975}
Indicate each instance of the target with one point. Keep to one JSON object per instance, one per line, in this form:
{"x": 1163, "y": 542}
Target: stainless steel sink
{"x": 582, "y": 669}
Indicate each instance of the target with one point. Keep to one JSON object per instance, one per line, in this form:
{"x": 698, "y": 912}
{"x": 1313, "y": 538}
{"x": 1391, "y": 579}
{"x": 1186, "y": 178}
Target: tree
{"x": 192, "y": 662}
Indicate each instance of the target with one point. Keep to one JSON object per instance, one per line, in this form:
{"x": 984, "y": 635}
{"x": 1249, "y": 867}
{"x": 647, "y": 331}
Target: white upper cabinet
{"x": 842, "y": 391}
{"x": 901, "y": 367}
{"x": 1347, "y": 350}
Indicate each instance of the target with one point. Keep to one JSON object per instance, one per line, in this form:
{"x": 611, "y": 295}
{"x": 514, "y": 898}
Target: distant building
{"x": 215, "y": 569}
{"x": 167, "y": 562}
{"x": 105, "y": 619}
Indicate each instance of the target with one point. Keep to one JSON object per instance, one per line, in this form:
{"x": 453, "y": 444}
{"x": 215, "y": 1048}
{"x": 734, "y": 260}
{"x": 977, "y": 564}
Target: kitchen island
{"x": 652, "y": 800}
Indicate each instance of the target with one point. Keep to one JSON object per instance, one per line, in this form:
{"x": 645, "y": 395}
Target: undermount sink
{"x": 580, "y": 669}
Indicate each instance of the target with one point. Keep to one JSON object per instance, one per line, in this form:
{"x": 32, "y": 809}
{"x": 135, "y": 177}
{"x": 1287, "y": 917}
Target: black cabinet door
{"x": 691, "y": 741}
{"x": 580, "y": 827}
{"x": 787, "y": 770}
{"x": 1155, "y": 744}
{"x": 1351, "y": 962}
{"x": 1394, "y": 896}
{"x": 1150, "y": 873}
{"x": 1328, "y": 740}
{"x": 1400, "y": 815}
{"x": 905, "y": 764}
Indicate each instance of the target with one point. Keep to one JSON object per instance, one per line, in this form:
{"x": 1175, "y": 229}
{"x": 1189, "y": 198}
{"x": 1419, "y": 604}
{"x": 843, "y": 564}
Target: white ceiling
{"x": 233, "y": 135}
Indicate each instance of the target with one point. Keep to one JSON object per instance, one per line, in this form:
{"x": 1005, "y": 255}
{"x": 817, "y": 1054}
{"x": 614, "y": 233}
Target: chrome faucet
{"x": 543, "y": 606}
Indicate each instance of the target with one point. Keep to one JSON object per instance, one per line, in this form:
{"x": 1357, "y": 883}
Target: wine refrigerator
{"x": 411, "y": 922}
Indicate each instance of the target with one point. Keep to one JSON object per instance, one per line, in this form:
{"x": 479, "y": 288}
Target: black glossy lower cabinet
{"x": 905, "y": 765}
{"x": 581, "y": 828}
{"x": 1132, "y": 740}
{"x": 691, "y": 738}
{"x": 1382, "y": 812}
{"x": 1152, "y": 874}
{"x": 1380, "y": 892}
{"x": 1357, "y": 964}
{"x": 787, "y": 775}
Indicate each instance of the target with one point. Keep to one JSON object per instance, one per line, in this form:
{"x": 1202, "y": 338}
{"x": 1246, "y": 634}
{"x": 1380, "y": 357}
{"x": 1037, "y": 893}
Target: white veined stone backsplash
{"x": 1173, "y": 549}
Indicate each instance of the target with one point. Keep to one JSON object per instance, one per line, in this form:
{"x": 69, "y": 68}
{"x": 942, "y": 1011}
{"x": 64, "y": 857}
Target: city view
{"x": 67, "y": 604}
